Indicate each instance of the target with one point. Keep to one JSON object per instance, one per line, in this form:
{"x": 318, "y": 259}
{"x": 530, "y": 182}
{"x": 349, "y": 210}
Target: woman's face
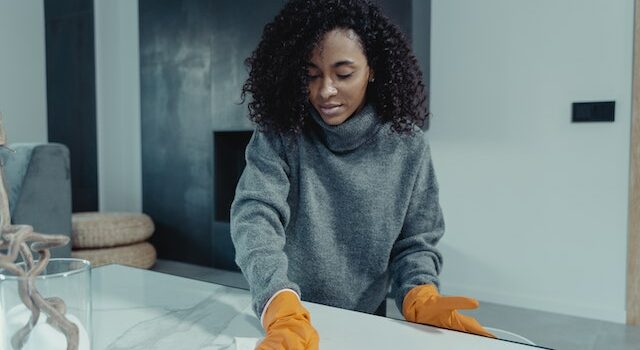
{"x": 338, "y": 76}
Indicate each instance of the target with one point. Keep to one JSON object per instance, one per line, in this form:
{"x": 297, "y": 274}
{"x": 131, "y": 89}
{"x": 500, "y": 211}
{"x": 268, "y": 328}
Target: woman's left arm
{"x": 416, "y": 263}
{"x": 415, "y": 260}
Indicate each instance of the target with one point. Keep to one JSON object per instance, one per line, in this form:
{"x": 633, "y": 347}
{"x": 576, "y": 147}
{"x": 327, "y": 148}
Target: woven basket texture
{"x": 142, "y": 255}
{"x": 102, "y": 230}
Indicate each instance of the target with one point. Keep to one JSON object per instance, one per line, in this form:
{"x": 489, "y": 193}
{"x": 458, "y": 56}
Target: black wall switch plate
{"x": 594, "y": 111}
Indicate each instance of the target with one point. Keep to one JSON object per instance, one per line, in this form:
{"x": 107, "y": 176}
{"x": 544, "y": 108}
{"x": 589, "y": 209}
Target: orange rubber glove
{"x": 288, "y": 325}
{"x": 423, "y": 304}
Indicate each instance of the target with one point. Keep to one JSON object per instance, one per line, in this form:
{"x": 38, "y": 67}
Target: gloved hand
{"x": 288, "y": 325}
{"x": 423, "y": 304}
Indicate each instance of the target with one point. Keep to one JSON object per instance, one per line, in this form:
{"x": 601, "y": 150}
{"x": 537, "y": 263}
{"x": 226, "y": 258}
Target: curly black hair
{"x": 278, "y": 80}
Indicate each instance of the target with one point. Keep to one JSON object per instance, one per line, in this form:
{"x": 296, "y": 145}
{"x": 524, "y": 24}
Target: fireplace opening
{"x": 229, "y": 162}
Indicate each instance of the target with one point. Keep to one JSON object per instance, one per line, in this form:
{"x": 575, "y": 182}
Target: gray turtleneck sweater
{"x": 338, "y": 213}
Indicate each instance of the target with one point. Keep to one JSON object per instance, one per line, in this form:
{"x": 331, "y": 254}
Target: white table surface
{"x": 139, "y": 309}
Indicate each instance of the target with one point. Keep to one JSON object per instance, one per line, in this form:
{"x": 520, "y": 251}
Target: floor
{"x": 555, "y": 331}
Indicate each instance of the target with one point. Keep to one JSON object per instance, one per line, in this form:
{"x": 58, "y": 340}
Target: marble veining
{"x": 200, "y": 325}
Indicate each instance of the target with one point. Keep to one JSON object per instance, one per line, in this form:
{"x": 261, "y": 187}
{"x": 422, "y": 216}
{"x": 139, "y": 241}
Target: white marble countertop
{"x": 137, "y": 309}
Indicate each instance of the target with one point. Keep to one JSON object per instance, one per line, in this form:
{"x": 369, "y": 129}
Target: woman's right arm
{"x": 259, "y": 215}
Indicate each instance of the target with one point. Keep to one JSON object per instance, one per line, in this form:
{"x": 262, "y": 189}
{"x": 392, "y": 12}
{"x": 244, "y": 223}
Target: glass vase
{"x": 49, "y": 311}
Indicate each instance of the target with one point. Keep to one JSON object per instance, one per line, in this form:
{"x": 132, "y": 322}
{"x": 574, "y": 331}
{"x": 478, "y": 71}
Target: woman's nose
{"x": 327, "y": 90}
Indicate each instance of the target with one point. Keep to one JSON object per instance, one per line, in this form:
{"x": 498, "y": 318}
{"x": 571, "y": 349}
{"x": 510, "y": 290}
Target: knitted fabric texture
{"x": 338, "y": 214}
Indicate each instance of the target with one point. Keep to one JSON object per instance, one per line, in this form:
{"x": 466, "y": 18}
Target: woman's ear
{"x": 371, "y": 76}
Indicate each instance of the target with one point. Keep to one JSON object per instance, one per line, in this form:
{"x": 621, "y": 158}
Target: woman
{"x": 338, "y": 200}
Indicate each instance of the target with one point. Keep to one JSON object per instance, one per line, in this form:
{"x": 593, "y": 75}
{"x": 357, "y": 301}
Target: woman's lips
{"x": 331, "y": 110}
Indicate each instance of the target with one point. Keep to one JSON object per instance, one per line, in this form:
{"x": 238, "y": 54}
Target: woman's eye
{"x": 344, "y": 76}
{"x": 312, "y": 76}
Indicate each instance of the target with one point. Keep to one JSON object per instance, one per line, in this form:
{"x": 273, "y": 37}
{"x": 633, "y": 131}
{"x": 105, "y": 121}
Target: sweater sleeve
{"x": 259, "y": 215}
{"x": 415, "y": 260}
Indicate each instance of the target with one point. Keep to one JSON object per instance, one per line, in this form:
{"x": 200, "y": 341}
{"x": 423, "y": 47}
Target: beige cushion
{"x": 142, "y": 255}
{"x": 101, "y": 230}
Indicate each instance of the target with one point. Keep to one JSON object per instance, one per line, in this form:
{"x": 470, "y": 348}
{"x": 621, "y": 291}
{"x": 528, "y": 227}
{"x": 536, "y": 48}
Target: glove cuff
{"x": 266, "y": 305}
{"x": 285, "y": 303}
{"x": 421, "y": 292}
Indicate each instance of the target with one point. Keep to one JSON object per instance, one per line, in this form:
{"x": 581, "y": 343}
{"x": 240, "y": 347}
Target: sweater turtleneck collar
{"x": 352, "y": 133}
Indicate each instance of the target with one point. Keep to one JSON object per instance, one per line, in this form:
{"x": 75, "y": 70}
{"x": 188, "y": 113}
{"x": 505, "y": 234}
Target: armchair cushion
{"x": 38, "y": 183}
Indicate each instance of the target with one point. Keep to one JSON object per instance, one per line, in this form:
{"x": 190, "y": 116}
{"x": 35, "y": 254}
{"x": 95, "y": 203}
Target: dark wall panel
{"x": 191, "y": 73}
{"x": 71, "y": 102}
{"x": 399, "y": 11}
{"x": 175, "y": 60}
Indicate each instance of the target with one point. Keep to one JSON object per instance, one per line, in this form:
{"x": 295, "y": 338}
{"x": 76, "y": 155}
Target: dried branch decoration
{"x": 22, "y": 240}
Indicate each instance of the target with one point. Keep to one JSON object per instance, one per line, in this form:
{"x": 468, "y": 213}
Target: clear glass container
{"x": 66, "y": 280}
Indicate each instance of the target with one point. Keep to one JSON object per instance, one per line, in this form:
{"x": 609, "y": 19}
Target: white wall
{"x": 535, "y": 206}
{"x": 118, "y": 105}
{"x": 23, "y": 101}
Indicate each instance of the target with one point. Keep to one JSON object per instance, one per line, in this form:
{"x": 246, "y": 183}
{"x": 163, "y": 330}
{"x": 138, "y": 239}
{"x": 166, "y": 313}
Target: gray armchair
{"x": 38, "y": 183}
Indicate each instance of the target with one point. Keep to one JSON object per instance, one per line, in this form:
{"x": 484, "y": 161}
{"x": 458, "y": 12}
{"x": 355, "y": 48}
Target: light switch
{"x": 593, "y": 111}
